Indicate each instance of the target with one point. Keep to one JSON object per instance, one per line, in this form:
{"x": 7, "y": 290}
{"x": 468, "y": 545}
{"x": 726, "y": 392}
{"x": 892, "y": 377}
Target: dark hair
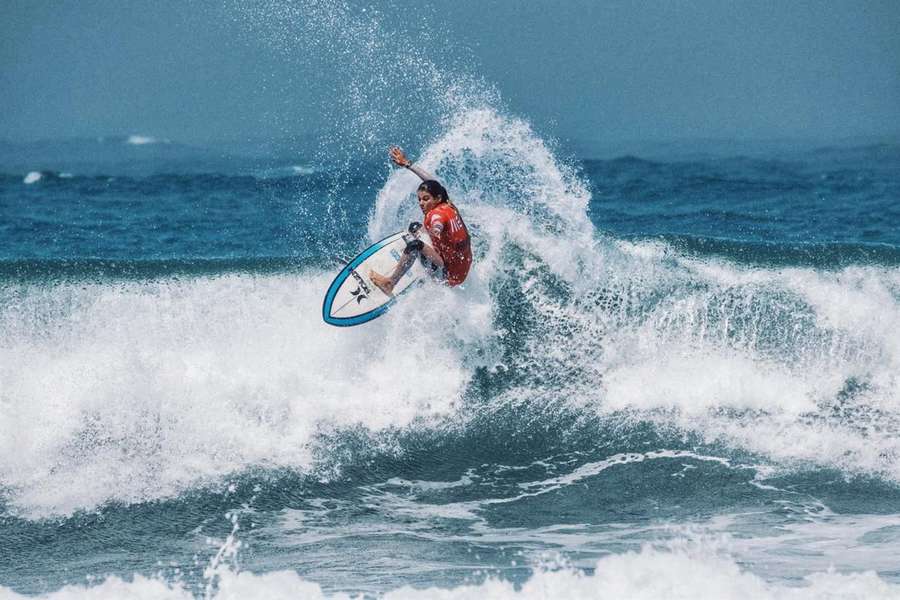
{"x": 435, "y": 189}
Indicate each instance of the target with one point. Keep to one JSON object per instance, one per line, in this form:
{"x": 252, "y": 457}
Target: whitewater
{"x": 666, "y": 376}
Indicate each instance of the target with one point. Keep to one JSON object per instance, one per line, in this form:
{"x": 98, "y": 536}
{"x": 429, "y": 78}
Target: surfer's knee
{"x": 414, "y": 246}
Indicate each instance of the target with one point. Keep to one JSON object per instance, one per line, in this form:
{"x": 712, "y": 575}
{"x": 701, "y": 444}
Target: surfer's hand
{"x": 398, "y": 157}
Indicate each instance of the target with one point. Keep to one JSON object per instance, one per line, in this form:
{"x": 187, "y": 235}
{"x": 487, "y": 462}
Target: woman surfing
{"x": 449, "y": 256}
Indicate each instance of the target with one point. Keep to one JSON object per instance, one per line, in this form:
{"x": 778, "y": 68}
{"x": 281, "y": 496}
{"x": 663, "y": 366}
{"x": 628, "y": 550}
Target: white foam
{"x": 724, "y": 340}
{"x": 32, "y": 177}
{"x": 694, "y": 382}
{"x": 143, "y": 390}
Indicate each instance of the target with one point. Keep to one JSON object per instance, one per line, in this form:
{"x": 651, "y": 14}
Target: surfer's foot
{"x": 382, "y": 283}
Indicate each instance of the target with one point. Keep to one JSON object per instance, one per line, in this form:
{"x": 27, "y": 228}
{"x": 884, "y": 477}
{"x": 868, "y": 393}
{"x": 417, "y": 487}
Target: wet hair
{"x": 435, "y": 189}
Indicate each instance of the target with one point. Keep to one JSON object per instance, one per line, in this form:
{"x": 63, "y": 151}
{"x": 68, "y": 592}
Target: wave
{"x": 705, "y": 345}
{"x": 581, "y": 392}
{"x": 576, "y": 381}
{"x": 682, "y": 569}
{"x": 133, "y": 381}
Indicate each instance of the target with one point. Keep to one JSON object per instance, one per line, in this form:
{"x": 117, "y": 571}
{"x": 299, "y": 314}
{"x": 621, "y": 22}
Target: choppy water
{"x": 667, "y": 376}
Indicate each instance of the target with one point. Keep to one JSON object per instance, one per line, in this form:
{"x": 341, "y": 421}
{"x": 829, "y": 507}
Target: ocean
{"x": 673, "y": 371}
{"x": 670, "y": 374}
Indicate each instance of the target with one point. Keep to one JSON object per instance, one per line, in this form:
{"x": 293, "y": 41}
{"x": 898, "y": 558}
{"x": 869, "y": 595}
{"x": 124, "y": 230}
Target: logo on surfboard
{"x": 362, "y": 290}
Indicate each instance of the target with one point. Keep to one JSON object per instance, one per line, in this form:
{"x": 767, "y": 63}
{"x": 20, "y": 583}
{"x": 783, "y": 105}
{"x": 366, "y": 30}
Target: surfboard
{"x": 352, "y": 298}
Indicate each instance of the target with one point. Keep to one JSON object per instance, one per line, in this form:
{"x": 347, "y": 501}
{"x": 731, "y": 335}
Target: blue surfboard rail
{"x": 342, "y": 276}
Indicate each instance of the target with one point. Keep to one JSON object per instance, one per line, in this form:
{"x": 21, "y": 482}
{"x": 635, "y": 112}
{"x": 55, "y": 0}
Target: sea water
{"x": 671, "y": 372}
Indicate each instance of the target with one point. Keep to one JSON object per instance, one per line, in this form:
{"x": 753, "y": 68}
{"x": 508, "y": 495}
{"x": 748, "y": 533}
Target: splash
{"x": 385, "y": 84}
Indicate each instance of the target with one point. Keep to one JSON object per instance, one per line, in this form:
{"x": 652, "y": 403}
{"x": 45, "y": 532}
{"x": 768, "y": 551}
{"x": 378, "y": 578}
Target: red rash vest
{"x": 450, "y": 238}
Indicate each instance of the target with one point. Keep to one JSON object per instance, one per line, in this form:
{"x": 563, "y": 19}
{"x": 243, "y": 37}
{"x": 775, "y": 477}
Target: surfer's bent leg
{"x": 414, "y": 249}
{"x": 433, "y": 262}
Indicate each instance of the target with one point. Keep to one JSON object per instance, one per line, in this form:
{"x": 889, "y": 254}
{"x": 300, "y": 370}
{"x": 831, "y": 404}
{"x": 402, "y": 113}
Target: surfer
{"x": 449, "y": 255}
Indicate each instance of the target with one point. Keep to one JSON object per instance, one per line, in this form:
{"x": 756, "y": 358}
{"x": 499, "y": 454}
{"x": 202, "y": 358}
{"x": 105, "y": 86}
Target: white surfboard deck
{"x": 352, "y": 298}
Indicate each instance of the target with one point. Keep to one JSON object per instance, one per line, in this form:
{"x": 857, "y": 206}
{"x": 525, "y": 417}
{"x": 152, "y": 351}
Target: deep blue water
{"x": 658, "y": 364}
{"x": 829, "y": 207}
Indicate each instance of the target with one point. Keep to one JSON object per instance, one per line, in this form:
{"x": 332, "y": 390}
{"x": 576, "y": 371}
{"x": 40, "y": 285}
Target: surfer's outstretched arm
{"x": 400, "y": 160}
